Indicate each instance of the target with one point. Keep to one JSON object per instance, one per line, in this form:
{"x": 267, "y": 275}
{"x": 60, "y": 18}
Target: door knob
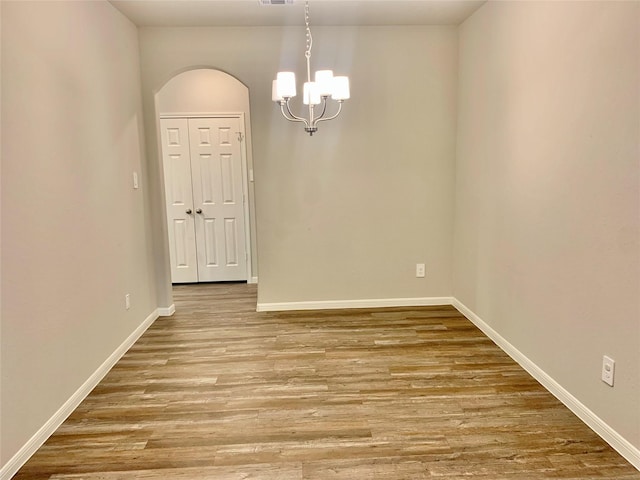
{"x": 188, "y": 211}
{"x": 199, "y": 210}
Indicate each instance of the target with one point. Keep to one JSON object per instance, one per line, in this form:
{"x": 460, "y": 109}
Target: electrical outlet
{"x": 127, "y": 301}
{"x": 608, "y": 370}
{"x": 420, "y": 271}
{"x": 135, "y": 180}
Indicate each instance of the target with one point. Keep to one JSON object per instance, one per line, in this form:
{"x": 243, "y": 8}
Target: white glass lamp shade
{"x": 311, "y": 94}
{"x": 324, "y": 82}
{"x": 286, "y": 84}
{"x": 274, "y": 92}
{"x": 341, "y": 88}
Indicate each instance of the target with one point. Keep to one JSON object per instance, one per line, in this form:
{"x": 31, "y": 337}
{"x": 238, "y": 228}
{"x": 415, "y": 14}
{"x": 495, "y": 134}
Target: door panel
{"x": 211, "y": 250}
{"x": 231, "y": 240}
{"x": 228, "y": 181}
{"x": 179, "y": 198}
{"x": 218, "y": 191}
{"x": 181, "y": 235}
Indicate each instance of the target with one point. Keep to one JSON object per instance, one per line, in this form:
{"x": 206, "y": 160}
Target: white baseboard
{"x": 608, "y": 434}
{"x": 366, "y": 303}
{"x": 167, "y": 311}
{"x": 253, "y": 280}
{"x": 28, "y": 449}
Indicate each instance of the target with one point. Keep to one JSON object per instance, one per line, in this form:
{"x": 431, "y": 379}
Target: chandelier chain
{"x": 307, "y": 54}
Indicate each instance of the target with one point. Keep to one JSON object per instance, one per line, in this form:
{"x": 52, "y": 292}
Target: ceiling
{"x": 188, "y": 13}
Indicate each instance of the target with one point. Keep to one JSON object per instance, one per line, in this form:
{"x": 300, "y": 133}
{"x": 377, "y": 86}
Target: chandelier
{"x": 315, "y": 94}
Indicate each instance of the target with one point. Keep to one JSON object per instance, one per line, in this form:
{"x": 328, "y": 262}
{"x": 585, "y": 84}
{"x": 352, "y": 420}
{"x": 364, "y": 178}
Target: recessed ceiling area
{"x": 192, "y": 13}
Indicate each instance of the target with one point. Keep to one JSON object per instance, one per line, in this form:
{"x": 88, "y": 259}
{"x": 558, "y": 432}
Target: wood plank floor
{"x": 219, "y": 391}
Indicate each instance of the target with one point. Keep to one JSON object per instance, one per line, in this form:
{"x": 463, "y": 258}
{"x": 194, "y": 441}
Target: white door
{"x": 218, "y": 197}
{"x": 179, "y": 196}
{"x": 211, "y": 205}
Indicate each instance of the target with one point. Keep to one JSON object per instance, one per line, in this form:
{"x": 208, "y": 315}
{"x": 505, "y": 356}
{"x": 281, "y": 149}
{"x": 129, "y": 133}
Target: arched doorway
{"x": 203, "y": 118}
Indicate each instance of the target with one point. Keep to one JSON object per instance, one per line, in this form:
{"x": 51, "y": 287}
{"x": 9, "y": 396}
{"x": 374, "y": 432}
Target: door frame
{"x": 246, "y": 174}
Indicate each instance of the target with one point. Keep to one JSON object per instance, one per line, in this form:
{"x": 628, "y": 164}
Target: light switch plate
{"x": 608, "y": 370}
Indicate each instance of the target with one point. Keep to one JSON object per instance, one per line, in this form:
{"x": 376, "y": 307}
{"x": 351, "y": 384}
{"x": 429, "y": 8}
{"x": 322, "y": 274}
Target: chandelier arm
{"x": 291, "y": 117}
{"x": 324, "y": 110}
{"x": 323, "y": 119}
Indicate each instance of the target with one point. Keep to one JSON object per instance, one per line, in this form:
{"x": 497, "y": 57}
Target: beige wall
{"x": 348, "y": 213}
{"x": 202, "y": 91}
{"x": 75, "y": 235}
{"x": 1, "y": 309}
{"x": 205, "y": 91}
{"x": 547, "y": 248}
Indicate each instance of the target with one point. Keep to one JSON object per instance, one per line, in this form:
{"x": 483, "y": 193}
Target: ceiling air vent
{"x": 276, "y": 2}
